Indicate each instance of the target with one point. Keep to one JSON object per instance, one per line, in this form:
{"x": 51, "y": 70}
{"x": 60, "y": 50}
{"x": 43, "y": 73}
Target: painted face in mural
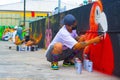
{"x": 98, "y": 18}
{"x": 103, "y": 22}
{"x": 97, "y": 14}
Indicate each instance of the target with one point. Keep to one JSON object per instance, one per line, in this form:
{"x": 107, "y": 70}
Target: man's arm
{"x": 83, "y": 44}
{"x": 80, "y": 38}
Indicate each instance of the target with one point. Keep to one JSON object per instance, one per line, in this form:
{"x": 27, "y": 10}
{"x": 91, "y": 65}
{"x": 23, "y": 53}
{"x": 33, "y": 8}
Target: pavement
{"x": 32, "y": 65}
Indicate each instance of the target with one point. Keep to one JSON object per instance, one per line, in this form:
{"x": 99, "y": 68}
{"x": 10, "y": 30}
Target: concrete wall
{"x": 17, "y": 17}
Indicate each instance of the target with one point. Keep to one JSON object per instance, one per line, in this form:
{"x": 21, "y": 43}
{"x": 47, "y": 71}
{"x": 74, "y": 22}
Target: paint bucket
{"x": 79, "y": 67}
{"x": 29, "y": 48}
{"x": 75, "y": 61}
{"x": 85, "y": 63}
{"x": 90, "y": 66}
{"x": 18, "y": 48}
{"x": 32, "y": 48}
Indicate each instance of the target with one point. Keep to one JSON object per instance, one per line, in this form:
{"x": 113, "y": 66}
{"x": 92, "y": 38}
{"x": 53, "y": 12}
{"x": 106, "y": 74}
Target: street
{"x": 32, "y": 65}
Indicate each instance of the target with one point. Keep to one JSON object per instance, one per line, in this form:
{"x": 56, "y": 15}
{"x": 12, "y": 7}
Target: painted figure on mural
{"x": 19, "y": 38}
{"x": 101, "y": 54}
{"x": 27, "y": 39}
{"x": 9, "y": 34}
{"x": 48, "y": 33}
{"x": 66, "y": 44}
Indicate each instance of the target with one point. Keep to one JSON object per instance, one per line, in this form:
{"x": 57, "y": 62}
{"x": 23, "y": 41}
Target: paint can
{"x": 29, "y": 48}
{"x": 75, "y": 61}
{"x": 26, "y": 48}
{"x": 32, "y": 48}
{"x": 90, "y": 66}
{"x": 85, "y": 63}
{"x": 18, "y": 48}
{"x": 79, "y": 67}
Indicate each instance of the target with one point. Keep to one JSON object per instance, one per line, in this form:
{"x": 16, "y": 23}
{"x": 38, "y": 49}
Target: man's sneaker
{"x": 54, "y": 66}
{"x": 65, "y": 64}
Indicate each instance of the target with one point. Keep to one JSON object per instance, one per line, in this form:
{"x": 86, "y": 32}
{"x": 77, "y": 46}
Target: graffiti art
{"x": 48, "y": 33}
{"x": 94, "y": 19}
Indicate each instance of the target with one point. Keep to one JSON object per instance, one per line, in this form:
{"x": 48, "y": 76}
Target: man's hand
{"x": 95, "y": 40}
{"x": 79, "y": 45}
{"x": 81, "y": 38}
{"x": 83, "y": 44}
{"x": 98, "y": 39}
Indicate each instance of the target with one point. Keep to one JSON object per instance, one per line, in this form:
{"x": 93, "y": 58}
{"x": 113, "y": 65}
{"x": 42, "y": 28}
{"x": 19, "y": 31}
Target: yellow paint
{"x": 28, "y": 14}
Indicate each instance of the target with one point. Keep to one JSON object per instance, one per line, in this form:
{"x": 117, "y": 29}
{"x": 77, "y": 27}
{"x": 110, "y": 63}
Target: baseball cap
{"x": 69, "y": 19}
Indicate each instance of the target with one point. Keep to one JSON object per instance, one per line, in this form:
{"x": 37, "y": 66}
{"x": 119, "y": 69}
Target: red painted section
{"x": 33, "y": 14}
{"x": 102, "y": 56}
{"x": 102, "y": 53}
{"x": 107, "y": 62}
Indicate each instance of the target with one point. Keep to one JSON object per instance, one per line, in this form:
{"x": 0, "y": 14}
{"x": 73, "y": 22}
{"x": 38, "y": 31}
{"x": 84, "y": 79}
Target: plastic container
{"x": 79, "y": 67}
{"x": 90, "y": 66}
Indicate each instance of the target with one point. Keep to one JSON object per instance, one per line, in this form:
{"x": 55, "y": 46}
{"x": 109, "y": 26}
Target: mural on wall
{"x": 101, "y": 54}
{"x": 48, "y": 33}
{"x": 51, "y": 28}
{"x": 94, "y": 19}
{"x": 61, "y": 19}
{"x": 35, "y": 31}
{"x": 1, "y": 31}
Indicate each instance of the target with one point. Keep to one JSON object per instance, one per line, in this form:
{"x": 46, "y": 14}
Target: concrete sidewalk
{"x": 25, "y": 65}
